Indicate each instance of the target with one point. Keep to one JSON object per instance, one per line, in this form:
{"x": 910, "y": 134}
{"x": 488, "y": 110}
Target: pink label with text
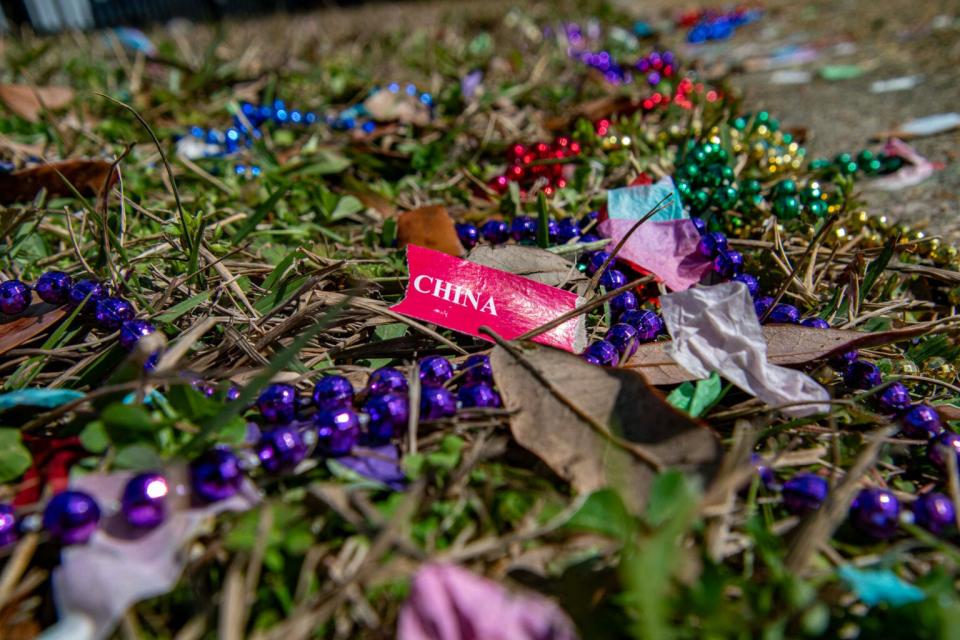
{"x": 463, "y": 296}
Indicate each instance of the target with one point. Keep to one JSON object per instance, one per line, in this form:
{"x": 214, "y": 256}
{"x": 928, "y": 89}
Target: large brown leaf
{"x": 37, "y": 319}
{"x": 88, "y": 176}
{"x": 430, "y": 227}
{"x": 536, "y": 264}
{"x": 786, "y": 344}
{"x": 598, "y": 427}
{"x": 28, "y": 102}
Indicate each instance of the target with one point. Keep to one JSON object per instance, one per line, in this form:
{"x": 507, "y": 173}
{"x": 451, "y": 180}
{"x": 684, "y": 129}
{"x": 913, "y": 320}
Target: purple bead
{"x": 568, "y": 230}
{"x": 763, "y": 470}
{"x": 753, "y": 285}
{"x": 699, "y": 224}
{"x": 132, "y": 330}
{"x": 591, "y": 216}
{"x": 843, "y": 361}
{"x": 940, "y": 447}
{"x": 587, "y": 238}
{"x": 804, "y": 492}
{"x": 613, "y": 279}
{"x": 934, "y": 512}
{"x": 281, "y": 448}
{"x": 110, "y": 313}
{"x": 331, "y": 392}
{"x": 523, "y": 229}
{"x": 477, "y": 368}
{"x": 711, "y": 244}
{"x": 216, "y": 475}
{"x": 920, "y": 422}
{"x": 437, "y": 402}
{"x": 553, "y": 230}
{"x": 728, "y": 264}
{"x": 623, "y": 336}
{"x": 649, "y": 324}
{"x": 603, "y": 352}
{"x": 815, "y": 323}
{"x": 385, "y": 380}
{"x": 495, "y": 231}
{"x": 8, "y": 525}
{"x": 591, "y": 359}
{"x": 480, "y": 395}
{"x": 623, "y": 302}
{"x": 233, "y": 393}
{"x": 278, "y": 403}
{"x": 862, "y": 375}
{"x": 338, "y": 431}
{"x": 875, "y": 512}
{"x": 53, "y": 287}
{"x": 389, "y": 414}
{"x": 89, "y": 290}
{"x": 595, "y": 260}
{"x": 14, "y": 297}
{"x": 144, "y": 500}
{"x": 435, "y": 370}
{"x": 762, "y": 304}
{"x": 784, "y": 314}
{"x": 894, "y": 399}
{"x": 71, "y": 517}
{"x": 468, "y": 233}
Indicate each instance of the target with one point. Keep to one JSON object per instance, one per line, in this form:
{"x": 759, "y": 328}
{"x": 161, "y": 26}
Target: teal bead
{"x": 699, "y": 201}
{"x": 739, "y": 123}
{"x": 849, "y": 168}
{"x": 785, "y": 187}
{"x": 774, "y": 125}
{"x": 787, "y": 138}
{"x": 786, "y": 206}
{"x": 727, "y": 174}
{"x": 763, "y": 117}
{"x": 811, "y": 193}
{"x": 721, "y": 155}
{"x": 817, "y": 208}
{"x": 819, "y": 163}
{"x": 864, "y": 158}
{"x": 690, "y": 173}
{"x": 842, "y": 158}
{"x": 683, "y": 188}
{"x": 725, "y": 197}
{"x": 699, "y": 156}
{"x": 712, "y": 177}
{"x": 750, "y": 187}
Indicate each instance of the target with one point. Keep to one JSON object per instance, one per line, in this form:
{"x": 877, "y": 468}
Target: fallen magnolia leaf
{"x": 430, "y": 227}
{"x": 37, "y": 319}
{"x": 89, "y": 177}
{"x": 28, "y": 102}
{"x": 387, "y": 106}
{"x": 786, "y": 344}
{"x": 621, "y": 432}
{"x": 537, "y": 264}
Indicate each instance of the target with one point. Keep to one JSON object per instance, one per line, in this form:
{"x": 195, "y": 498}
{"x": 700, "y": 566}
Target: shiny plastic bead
{"x": 332, "y": 392}
{"x": 934, "y": 512}
{"x": 699, "y": 224}
{"x": 14, "y": 297}
{"x": 338, "y": 431}
{"x": 468, "y": 233}
{"x": 110, "y": 313}
{"x": 495, "y": 231}
{"x": 553, "y": 231}
{"x": 385, "y": 380}
{"x": 875, "y": 512}
{"x": 804, "y": 492}
{"x": 216, "y": 475}
{"x": 436, "y": 403}
{"x": 613, "y": 279}
{"x": 278, "y": 403}
{"x": 478, "y": 395}
{"x": 132, "y": 330}
{"x": 753, "y": 285}
{"x": 89, "y": 290}
{"x": 623, "y": 302}
{"x": 71, "y": 517}
{"x": 53, "y": 287}
{"x": 568, "y": 229}
{"x": 920, "y": 422}
{"x": 862, "y": 375}
{"x": 595, "y": 261}
{"x": 388, "y": 413}
{"x": 476, "y": 368}
{"x": 941, "y": 447}
{"x": 762, "y": 304}
{"x": 784, "y": 314}
{"x": 763, "y": 470}
{"x": 815, "y": 323}
{"x": 281, "y": 448}
{"x": 144, "y": 500}
{"x": 523, "y": 229}
{"x": 728, "y": 264}
{"x": 624, "y": 337}
{"x": 603, "y": 352}
{"x": 894, "y": 399}
{"x": 711, "y": 244}
{"x": 8, "y": 525}
{"x": 435, "y": 370}
{"x": 649, "y": 324}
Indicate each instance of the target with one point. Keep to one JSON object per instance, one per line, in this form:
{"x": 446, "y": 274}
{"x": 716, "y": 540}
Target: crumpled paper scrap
{"x": 880, "y": 586}
{"x": 119, "y": 566}
{"x": 666, "y": 249}
{"x": 916, "y": 170}
{"x": 45, "y": 398}
{"x": 634, "y": 202}
{"x": 448, "y": 602}
{"x": 716, "y": 329}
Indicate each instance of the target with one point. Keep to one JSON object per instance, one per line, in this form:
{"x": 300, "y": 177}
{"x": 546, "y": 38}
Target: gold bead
{"x": 793, "y": 147}
{"x": 737, "y": 147}
{"x": 840, "y": 233}
{"x": 902, "y": 366}
{"x": 858, "y": 220}
{"x": 763, "y": 131}
{"x": 797, "y": 163}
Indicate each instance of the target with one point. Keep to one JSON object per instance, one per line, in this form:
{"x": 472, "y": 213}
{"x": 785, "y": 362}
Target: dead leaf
{"x": 37, "y": 319}
{"x": 386, "y": 106}
{"x": 28, "y": 102}
{"x": 594, "y": 110}
{"x": 430, "y": 227}
{"x": 786, "y": 344}
{"x": 536, "y": 264}
{"x": 620, "y": 432}
{"x": 87, "y": 176}
{"x": 376, "y": 202}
